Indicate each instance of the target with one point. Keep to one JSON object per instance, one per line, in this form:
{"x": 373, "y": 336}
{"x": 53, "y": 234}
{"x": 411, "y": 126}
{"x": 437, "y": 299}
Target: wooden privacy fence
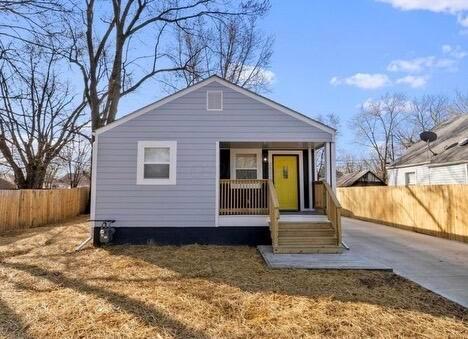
{"x": 20, "y": 209}
{"x": 440, "y": 210}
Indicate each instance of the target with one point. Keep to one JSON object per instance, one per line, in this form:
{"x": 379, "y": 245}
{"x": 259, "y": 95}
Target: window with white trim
{"x": 214, "y": 100}
{"x": 156, "y": 162}
{"x": 410, "y": 178}
{"x": 246, "y": 164}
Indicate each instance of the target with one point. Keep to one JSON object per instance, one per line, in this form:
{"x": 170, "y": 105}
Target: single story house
{"x": 444, "y": 162}
{"x": 215, "y": 164}
{"x": 360, "y": 178}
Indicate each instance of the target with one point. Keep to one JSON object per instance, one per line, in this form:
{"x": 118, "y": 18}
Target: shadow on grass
{"x": 234, "y": 266}
{"x": 145, "y": 313}
{"x": 11, "y": 324}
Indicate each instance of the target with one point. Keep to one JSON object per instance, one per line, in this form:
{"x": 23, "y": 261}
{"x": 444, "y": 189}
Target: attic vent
{"x": 451, "y": 145}
{"x": 463, "y": 142}
{"x": 214, "y": 100}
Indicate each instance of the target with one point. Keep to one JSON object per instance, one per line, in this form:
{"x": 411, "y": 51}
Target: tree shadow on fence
{"x": 443, "y": 230}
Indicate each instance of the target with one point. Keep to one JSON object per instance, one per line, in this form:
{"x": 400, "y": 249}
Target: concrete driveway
{"x": 437, "y": 264}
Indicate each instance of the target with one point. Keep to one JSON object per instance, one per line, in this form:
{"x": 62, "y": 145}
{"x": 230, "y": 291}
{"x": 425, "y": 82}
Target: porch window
{"x": 246, "y": 164}
{"x": 156, "y": 163}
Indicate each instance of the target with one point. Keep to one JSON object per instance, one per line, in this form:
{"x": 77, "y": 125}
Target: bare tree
{"x": 460, "y": 104}
{"x": 76, "y": 160}
{"x": 349, "y": 163}
{"x": 28, "y": 20}
{"x": 106, "y": 52}
{"x": 52, "y": 174}
{"x": 234, "y": 49}
{"x": 424, "y": 113}
{"x": 38, "y": 114}
{"x": 376, "y": 127}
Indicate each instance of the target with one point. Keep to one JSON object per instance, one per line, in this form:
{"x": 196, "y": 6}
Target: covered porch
{"x": 280, "y": 185}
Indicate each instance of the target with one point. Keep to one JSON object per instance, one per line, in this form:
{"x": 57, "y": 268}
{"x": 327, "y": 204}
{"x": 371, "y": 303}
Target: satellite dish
{"x": 428, "y": 136}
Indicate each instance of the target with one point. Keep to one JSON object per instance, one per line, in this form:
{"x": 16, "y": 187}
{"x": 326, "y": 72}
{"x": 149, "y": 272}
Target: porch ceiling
{"x": 270, "y": 144}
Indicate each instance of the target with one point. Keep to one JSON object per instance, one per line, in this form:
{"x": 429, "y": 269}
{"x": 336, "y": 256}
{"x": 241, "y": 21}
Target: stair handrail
{"x": 333, "y": 210}
{"x": 273, "y": 209}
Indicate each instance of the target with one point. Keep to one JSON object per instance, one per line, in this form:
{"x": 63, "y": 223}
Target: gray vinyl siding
{"x": 191, "y": 202}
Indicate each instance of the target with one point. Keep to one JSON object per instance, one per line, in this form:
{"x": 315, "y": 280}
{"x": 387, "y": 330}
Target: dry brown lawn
{"x": 48, "y": 290}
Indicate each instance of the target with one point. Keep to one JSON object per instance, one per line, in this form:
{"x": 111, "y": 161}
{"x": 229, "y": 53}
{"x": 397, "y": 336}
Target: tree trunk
{"x": 35, "y": 177}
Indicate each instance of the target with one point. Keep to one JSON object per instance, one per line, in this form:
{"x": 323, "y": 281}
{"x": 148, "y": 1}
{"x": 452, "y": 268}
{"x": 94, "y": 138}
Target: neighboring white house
{"x": 446, "y": 162}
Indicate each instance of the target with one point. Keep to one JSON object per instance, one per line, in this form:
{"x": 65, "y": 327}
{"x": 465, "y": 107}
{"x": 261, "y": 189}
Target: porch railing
{"x": 325, "y": 198}
{"x": 243, "y": 197}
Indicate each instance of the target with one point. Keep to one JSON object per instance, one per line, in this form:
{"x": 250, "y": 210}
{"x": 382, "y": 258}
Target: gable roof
{"x": 228, "y": 84}
{"x": 349, "y": 179}
{"x": 448, "y": 147}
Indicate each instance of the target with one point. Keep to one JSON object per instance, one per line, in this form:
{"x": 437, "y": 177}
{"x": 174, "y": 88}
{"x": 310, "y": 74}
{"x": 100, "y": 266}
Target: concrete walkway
{"x": 437, "y": 264}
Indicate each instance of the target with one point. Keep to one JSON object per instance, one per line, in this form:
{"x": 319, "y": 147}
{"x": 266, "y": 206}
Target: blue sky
{"x": 321, "y": 45}
{"x": 331, "y": 56}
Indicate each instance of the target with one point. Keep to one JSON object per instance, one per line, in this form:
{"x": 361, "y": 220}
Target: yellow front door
{"x": 285, "y": 178}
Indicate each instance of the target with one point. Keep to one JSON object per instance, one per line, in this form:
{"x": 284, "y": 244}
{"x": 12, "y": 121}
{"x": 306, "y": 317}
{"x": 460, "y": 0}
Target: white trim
{"x": 311, "y": 179}
{"x": 442, "y": 164}
{"x": 256, "y": 151}
{"x": 93, "y": 182}
{"x": 172, "y": 145}
{"x": 466, "y": 174}
{"x": 301, "y": 172}
{"x": 239, "y": 89}
{"x": 217, "y": 185}
{"x": 222, "y": 101}
{"x": 243, "y": 220}
{"x": 408, "y": 165}
{"x": 327, "y": 162}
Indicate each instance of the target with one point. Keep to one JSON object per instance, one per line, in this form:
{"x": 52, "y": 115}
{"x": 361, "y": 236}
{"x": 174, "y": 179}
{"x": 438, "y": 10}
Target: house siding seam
{"x": 191, "y": 202}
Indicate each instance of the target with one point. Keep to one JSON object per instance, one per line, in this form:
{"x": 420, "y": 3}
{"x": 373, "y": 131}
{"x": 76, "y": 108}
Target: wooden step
{"x": 305, "y": 224}
{"x": 306, "y": 233}
{"x": 310, "y": 241}
{"x": 297, "y": 249}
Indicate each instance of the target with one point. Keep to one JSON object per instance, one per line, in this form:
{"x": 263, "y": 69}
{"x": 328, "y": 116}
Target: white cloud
{"x": 413, "y": 72}
{"x": 438, "y": 6}
{"x": 454, "y": 51}
{"x": 418, "y": 65}
{"x": 267, "y": 76}
{"x": 363, "y": 80}
{"x": 462, "y": 19}
{"x": 453, "y": 7}
{"x": 449, "y": 61}
{"x": 413, "y": 81}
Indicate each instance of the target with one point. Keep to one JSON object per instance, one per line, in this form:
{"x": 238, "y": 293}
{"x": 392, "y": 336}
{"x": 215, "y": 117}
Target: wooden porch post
{"x": 333, "y": 165}
{"x": 327, "y": 165}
